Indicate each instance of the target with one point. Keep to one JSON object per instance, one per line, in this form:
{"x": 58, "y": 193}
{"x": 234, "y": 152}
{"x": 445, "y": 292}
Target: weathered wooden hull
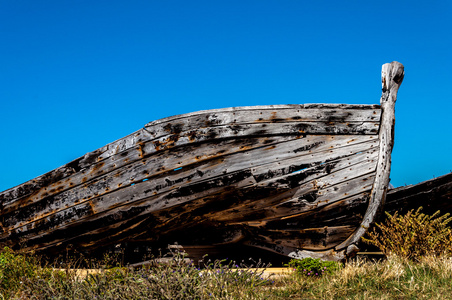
{"x": 300, "y": 180}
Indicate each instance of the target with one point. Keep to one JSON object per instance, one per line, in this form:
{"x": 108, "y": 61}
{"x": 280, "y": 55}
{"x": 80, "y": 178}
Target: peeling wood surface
{"x": 293, "y": 179}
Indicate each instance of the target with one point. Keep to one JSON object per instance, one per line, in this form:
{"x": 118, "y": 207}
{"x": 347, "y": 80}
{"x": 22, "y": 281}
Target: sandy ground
{"x": 276, "y": 272}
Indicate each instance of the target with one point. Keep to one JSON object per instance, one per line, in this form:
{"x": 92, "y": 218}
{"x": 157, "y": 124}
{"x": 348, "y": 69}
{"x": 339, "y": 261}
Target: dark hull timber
{"x": 298, "y": 180}
{"x": 433, "y": 195}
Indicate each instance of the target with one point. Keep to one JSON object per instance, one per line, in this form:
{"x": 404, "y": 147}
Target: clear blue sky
{"x": 76, "y": 75}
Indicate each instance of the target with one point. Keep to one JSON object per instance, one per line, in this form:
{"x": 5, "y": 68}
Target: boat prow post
{"x": 392, "y": 75}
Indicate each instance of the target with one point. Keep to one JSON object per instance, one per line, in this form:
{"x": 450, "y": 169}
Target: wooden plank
{"x": 344, "y": 212}
{"x": 266, "y": 129}
{"x": 239, "y": 117}
{"x": 313, "y": 239}
{"x": 294, "y": 112}
{"x": 295, "y": 252}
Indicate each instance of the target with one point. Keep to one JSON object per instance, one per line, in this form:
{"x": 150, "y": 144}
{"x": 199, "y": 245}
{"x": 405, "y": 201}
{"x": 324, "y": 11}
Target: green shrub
{"x": 14, "y": 268}
{"x": 413, "y": 235}
{"x": 313, "y": 267}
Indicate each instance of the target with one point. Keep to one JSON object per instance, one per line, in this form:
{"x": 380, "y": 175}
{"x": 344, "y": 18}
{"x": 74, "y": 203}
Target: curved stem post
{"x": 391, "y": 78}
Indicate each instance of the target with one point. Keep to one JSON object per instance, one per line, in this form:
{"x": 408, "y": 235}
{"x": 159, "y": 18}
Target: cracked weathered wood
{"x": 295, "y": 179}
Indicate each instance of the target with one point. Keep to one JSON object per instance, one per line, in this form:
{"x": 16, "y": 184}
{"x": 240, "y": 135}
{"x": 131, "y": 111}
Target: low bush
{"x": 413, "y": 235}
{"x": 13, "y": 268}
{"x": 313, "y": 267}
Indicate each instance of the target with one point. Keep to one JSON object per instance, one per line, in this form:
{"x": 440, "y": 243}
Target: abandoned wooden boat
{"x": 300, "y": 180}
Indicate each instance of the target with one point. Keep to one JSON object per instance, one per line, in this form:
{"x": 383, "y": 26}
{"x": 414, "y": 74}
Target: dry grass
{"x": 393, "y": 278}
